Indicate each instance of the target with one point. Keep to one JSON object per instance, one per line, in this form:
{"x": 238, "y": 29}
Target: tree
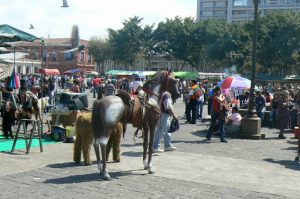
{"x": 75, "y": 39}
{"x": 126, "y": 42}
{"x": 99, "y": 48}
{"x": 148, "y": 47}
{"x": 280, "y": 41}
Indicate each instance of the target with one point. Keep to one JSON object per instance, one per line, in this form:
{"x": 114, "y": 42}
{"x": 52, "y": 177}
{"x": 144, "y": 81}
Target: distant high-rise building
{"x": 241, "y": 10}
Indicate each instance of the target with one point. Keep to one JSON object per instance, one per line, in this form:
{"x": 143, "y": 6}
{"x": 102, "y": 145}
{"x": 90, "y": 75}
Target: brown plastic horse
{"x": 163, "y": 81}
{"x": 111, "y": 109}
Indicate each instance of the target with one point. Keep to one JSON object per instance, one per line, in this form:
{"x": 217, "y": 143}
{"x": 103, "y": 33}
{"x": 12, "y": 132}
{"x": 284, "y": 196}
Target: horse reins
{"x": 153, "y": 93}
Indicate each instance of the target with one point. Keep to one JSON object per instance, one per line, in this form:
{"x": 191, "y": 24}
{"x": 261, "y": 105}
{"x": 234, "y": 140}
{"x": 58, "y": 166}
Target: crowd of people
{"x": 279, "y": 102}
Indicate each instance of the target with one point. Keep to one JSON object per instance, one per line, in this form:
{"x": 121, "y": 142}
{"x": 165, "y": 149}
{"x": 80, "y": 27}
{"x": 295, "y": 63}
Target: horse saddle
{"x": 136, "y": 111}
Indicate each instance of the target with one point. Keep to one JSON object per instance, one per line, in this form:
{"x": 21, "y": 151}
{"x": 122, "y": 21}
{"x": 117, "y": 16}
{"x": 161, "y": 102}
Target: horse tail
{"x": 124, "y": 96}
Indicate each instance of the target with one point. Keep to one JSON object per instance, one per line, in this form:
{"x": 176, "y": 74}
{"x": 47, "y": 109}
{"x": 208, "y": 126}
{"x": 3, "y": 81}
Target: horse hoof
{"x": 151, "y": 172}
{"x": 297, "y": 158}
{"x": 107, "y": 178}
{"x": 100, "y": 168}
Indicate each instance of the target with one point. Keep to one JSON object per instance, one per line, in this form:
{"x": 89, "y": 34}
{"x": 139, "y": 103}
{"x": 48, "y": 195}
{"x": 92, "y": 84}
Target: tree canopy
{"x": 206, "y": 45}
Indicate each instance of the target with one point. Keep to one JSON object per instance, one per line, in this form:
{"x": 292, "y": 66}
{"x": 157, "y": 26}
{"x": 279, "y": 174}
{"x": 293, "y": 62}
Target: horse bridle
{"x": 155, "y": 94}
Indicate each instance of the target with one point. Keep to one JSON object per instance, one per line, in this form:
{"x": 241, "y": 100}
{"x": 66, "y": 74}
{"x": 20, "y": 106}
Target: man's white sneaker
{"x": 158, "y": 150}
{"x": 170, "y": 148}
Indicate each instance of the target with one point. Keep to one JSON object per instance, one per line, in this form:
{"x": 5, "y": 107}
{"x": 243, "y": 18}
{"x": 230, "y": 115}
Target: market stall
{"x": 47, "y": 71}
{"x": 72, "y": 71}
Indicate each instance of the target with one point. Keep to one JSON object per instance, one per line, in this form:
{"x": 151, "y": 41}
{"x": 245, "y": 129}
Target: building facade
{"x": 55, "y": 53}
{"x": 241, "y": 10}
{"x": 157, "y": 63}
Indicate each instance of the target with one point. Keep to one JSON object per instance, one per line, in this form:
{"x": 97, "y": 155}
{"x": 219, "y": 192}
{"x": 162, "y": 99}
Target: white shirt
{"x": 236, "y": 119}
{"x": 167, "y": 100}
{"x": 136, "y": 84}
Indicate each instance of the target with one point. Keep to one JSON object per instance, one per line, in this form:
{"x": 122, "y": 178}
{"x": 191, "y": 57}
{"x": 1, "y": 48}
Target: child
{"x": 8, "y": 119}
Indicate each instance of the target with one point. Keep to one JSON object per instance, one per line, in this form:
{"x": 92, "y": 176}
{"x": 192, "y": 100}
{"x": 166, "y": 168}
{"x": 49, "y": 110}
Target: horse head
{"x": 163, "y": 80}
{"x": 171, "y": 85}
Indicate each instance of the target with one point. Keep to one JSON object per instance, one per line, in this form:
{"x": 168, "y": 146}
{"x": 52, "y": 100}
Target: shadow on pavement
{"x": 74, "y": 179}
{"x": 293, "y": 142}
{"x": 292, "y": 148}
{"x": 16, "y": 152}
{"x": 72, "y": 164}
{"x": 133, "y": 153}
{"x": 90, "y": 177}
{"x": 132, "y": 145}
{"x": 202, "y": 141}
{"x": 290, "y": 164}
{"x": 65, "y": 165}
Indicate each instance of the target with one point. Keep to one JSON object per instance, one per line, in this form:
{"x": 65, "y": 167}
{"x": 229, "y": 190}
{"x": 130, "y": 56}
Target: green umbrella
{"x": 186, "y": 75}
{"x": 11, "y": 34}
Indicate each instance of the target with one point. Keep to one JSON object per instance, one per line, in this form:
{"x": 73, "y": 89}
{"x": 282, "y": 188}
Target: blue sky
{"x": 93, "y": 17}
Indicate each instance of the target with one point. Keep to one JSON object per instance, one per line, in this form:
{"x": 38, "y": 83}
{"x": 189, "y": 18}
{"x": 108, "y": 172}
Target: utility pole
{"x": 253, "y": 69}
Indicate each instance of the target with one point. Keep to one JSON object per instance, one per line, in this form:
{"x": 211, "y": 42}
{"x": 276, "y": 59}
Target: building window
{"x": 53, "y": 55}
{"x": 207, "y": 4}
{"x": 220, "y": 13}
{"x": 239, "y": 12}
{"x": 19, "y": 69}
{"x": 207, "y": 13}
{"x": 271, "y": 2}
{"x": 69, "y": 55}
{"x": 90, "y": 58}
{"x": 27, "y": 70}
{"x": 82, "y": 56}
{"x": 240, "y": 3}
{"x": 287, "y": 2}
{"x": 35, "y": 53}
{"x": 220, "y": 4}
{"x": 45, "y": 53}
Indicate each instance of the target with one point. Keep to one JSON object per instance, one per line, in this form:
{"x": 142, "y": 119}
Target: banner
{"x": 14, "y": 80}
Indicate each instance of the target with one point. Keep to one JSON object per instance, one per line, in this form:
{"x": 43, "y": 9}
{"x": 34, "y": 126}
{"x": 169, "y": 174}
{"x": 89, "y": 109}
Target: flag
{"x": 14, "y": 80}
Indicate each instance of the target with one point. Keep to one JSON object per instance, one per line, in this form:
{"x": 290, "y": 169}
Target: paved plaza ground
{"x": 197, "y": 169}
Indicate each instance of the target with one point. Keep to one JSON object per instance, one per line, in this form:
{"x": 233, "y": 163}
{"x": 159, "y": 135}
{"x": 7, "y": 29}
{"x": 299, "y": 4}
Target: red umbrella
{"x": 235, "y": 82}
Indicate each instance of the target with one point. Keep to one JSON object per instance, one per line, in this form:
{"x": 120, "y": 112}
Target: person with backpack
{"x": 218, "y": 115}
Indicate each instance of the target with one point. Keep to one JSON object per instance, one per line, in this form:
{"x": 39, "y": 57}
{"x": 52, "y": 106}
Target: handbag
{"x": 174, "y": 126}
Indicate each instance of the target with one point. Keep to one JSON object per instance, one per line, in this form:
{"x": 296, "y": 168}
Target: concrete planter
{"x": 251, "y": 128}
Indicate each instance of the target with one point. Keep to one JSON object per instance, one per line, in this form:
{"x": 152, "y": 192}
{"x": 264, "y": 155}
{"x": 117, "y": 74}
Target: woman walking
{"x": 283, "y": 115}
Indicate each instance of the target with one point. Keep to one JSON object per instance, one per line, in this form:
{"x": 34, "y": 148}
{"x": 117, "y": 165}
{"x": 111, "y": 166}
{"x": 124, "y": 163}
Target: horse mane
{"x": 124, "y": 96}
{"x": 157, "y": 77}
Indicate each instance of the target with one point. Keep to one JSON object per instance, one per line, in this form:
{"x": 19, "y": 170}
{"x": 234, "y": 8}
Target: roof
{"x": 52, "y": 42}
{"x": 269, "y": 78}
{"x": 49, "y": 71}
{"x": 293, "y": 77}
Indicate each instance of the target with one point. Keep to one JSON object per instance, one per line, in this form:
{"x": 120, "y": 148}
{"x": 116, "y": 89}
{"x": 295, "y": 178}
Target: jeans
{"x": 191, "y": 106}
{"x": 233, "y": 129}
{"x": 261, "y": 114}
{"x": 161, "y": 131}
{"x": 214, "y": 118}
{"x": 95, "y": 91}
{"x": 199, "y": 109}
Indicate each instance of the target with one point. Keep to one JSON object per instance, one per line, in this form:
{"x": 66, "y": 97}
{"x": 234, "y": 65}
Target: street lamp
{"x": 253, "y": 70}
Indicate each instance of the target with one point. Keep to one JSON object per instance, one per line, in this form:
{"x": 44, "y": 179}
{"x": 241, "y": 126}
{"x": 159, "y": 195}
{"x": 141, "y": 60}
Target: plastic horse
{"x": 163, "y": 81}
{"x": 105, "y": 115}
{"x": 112, "y": 110}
